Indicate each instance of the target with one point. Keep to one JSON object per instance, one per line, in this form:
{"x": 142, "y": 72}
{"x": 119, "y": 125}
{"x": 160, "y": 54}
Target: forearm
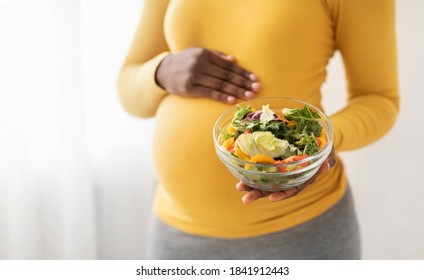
{"x": 366, "y": 119}
{"x": 138, "y": 91}
{"x": 137, "y": 88}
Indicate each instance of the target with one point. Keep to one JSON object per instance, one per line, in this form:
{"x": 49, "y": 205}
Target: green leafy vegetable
{"x": 297, "y": 114}
{"x": 308, "y": 144}
{"x": 238, "y": 121}
{"x": 241, "y": 112}
{"x": 262, "y": 132}
{"x": 263, "y": 143}
{"x": 308, "y": 127}
{"x": 225, "y": 135}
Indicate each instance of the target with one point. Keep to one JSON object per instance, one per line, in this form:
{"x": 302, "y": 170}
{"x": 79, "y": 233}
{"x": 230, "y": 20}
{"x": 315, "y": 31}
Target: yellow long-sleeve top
{"x": 288, "y": 45}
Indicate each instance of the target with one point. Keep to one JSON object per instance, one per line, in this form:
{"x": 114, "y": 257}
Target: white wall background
{"x": 385, "y": 177}
{"x": 118, "y": 144}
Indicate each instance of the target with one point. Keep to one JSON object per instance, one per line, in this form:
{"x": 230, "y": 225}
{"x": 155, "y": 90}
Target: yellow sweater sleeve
{"x": 137, "y": 88}
{"x": 365, "y": 37}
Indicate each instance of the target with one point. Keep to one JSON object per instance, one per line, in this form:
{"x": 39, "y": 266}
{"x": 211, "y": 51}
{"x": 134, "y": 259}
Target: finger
{"x": 241, "y": 77}
{"x": 242, "y": 187}
{"x": 332, "y": 158}
{"x": 277, "y": 196}
{"x": 328, "y": 163}
{"x": 234, "y": 78}
{"x": 325, "y": 166}
{"x": 252, "y": 196}
{"x": 211, "y": 93}
{"x": 223, "y": 86}
{"x": 230, "y": 65}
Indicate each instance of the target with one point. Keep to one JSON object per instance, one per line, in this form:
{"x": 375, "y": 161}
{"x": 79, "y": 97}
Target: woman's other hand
{"x": 253, "y": 194}
{"x": 198, "y": 72}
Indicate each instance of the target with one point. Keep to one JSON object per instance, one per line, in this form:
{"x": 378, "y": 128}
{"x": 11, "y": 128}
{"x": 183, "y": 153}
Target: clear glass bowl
{"x": 273, "y": 179}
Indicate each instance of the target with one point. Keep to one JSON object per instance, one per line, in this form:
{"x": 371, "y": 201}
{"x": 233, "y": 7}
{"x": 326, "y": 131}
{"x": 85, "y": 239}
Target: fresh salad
{"x": 262, "y": 136}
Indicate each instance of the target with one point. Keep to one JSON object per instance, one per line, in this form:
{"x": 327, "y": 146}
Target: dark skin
{"x": 199, "y": 72}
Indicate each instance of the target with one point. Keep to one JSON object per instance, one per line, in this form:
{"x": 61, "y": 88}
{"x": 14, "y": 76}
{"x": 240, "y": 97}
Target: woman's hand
{"x": 253, "y": 194}
{"x": 198, "y": 72}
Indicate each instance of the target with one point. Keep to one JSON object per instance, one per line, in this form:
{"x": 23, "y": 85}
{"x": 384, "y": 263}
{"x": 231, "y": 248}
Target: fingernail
{"x": 253, "y": 77}
{"x": 255, "y": 86}
{"x": 245, "y": 200}
{"x": 231, "y": 99}
{"x": 230, "y": 57}
{"x": 249, "y": 94}
{"x": 325, "y": 167}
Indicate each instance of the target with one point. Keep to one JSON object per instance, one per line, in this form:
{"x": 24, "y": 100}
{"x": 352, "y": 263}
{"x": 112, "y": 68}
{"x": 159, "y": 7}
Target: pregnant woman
{"x": 191, "y": 60}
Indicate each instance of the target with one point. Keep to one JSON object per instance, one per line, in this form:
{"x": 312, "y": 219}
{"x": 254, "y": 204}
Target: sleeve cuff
{"x": 151, "y": 67}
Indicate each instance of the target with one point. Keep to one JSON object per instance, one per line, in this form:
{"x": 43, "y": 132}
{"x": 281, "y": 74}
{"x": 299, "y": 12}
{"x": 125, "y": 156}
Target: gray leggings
{"x": 333, "y": 235}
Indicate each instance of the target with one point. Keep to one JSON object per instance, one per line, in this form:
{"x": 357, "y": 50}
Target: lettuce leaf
{"x": 298, "y": 114}
{"x": 241, "y": 112}
{"x": 266, "y": 116}
{"x": 262, "y": 143}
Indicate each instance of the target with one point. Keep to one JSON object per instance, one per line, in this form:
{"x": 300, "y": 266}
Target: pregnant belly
{"x": 184, "y": 153}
